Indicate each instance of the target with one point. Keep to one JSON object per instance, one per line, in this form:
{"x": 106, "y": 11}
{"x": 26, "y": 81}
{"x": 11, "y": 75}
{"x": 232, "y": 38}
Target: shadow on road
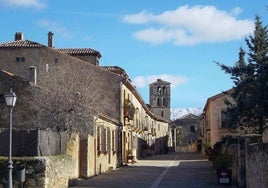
{"x": 177, "y": 155}
{"x": 189, "y": 170}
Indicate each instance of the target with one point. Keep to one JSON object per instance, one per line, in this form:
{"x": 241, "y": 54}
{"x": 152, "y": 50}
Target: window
{"x": 162, "y": 113}
{"x": 98, "y": 139}
{"x": 224, "y": 119}
{"x": 116, "y": 140}
{"x": 192, "y": 129}
{"x": 20, "y": 59}
{"x": 32, "y": 74}
{"x": 164, "y": 90}
{"x": 113, "y": 141}
{"x": 103, "y": 140}
{"x": 159, "y": 90}
{"x": 158, "y": 102}
{"x": 164, "y": 102}
{"x": 108, "y": 139}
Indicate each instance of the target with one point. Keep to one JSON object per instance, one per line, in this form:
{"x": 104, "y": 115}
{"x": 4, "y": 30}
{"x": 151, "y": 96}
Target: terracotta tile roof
{"x": 116, "y": 70}
{"x": 69, "y": 51}
{"x": 160, "y": 81}
{"x": 21, "y": 43}
{"x": 80, "y": 51}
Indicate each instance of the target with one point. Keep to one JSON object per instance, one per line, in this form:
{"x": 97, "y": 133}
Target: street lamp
{"x": 10, "y": 101}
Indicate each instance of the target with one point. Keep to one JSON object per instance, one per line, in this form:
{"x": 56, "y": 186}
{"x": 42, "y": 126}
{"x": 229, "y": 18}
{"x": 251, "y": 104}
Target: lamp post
{"x": 10, "y": 101}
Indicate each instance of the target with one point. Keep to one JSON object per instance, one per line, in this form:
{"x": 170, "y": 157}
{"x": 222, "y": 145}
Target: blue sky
{"x": 176, "y": 40}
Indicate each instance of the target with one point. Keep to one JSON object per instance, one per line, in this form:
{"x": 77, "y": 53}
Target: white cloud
{"x": 175, "y": 80}
{"x": 140, "y": 18}
{"x": 236, "y": 11}
{"x": 24, "y": 3}
{"x": 56, "y": 28}
{"x": 191, "y": 25}
{"x": 140, "y": 82}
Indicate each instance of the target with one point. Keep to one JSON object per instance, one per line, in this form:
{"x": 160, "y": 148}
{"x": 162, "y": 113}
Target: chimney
{"x": 19, "y": 36}
{"x": 50, "y": 39}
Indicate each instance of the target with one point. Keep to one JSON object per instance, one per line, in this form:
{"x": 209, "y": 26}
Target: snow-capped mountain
{"x": 177, "y": 113}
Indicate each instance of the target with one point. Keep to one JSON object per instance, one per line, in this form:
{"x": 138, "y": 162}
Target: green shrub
{"x": 223, "y": 161}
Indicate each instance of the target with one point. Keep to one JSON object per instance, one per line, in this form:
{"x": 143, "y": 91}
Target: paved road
{"x": 183, "y": 170}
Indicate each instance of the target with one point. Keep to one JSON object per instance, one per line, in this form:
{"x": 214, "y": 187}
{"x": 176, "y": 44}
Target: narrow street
{"x": 183, "y": 170}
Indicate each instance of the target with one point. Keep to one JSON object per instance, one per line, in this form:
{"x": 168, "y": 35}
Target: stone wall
{"x": 41, "y": 172}
{"x": 97, "y": 87}
{"x": 257, "y": 166}
{"x": 34, "y": 142}
{"x": 38, "y": 108}
{"x": 46, "y": 172}
{"x": 24, "y": 142}
{"x": 250, "y": 161}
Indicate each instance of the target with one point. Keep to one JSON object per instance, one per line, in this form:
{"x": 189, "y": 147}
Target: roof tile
{"x": 21, "y": 43}
{"x": 80, "y": 51}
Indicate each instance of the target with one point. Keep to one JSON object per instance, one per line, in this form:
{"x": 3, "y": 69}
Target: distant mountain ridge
{"x": 179, "y": 112}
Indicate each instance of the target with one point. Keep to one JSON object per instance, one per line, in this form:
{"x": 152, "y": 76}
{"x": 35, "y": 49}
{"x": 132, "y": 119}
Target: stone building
{"x": 187, "y": 133}
{"x": 213, "y": 122}
{"x": 67, "y": 90}
{"x": 160, "y": 98}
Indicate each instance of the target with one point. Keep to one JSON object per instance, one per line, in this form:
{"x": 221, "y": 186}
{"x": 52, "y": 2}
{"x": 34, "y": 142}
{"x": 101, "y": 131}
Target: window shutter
{"x": 103, "y": 139}
{"x": 98, "y": 139}
{"x": 108, "y": 139}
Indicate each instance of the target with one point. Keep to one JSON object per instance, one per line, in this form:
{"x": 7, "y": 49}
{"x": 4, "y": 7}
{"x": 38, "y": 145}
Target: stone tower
{"x": 160, "y": 99}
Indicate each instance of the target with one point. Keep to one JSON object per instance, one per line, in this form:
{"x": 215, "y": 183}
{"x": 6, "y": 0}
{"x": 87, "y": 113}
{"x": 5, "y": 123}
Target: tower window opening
{"x": 164, "y": 102}
{"x": 159, "y": 90}
{"x": 164, "y": 90}
{"x": 192, "y": 129}
{"x": 158, "y": 102}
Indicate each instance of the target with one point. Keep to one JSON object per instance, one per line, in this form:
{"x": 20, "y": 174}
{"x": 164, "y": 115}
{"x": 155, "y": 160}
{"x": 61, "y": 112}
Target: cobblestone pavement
{"x": 183, "y": 170}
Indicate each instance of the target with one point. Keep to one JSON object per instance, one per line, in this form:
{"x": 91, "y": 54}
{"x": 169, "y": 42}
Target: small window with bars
{"x": 20, "y": 59}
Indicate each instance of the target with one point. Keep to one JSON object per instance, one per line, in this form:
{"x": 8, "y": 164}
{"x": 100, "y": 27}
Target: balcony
{"x": 129, "y": 109}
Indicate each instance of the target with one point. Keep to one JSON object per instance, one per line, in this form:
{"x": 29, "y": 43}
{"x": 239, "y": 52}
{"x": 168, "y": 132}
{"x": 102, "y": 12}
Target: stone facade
{"x": 250, "y": 156}
{"x": 160, "y": 99}
{"x": 34, "y": 142}
{"x": 143, "y": 133}
{"x": 257, "y": 166}
{"x": 213, "y": 120}
{"x": 187, "y": 132}
{"x": 45, "y": 172}
{"x": 66, "y": 88}
{"x": 62, "y": 91}
{"x": 39, "y": 108}
{"x": 106, "y": 148}
{"x": 55, "y": 71}
{"x": 42, "y": 172}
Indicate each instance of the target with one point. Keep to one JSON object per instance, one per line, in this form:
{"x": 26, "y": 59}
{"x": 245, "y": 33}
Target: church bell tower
{"x": 160, "y": 99}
